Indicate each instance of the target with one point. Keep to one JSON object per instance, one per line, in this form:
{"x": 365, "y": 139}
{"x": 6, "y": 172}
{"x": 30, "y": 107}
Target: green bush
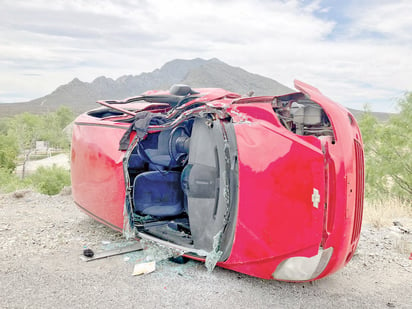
{"x": 18, "y": 135}
{"x": 8, "y": 152}
{"x": 50, "y": 180}
{"x": 388, "y": 153}
{"x": 23, "y": 130}
{"x": 9, "y": 182}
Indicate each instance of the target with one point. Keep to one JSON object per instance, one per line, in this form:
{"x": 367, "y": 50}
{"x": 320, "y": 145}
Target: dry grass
{"x": 383, "y": 213}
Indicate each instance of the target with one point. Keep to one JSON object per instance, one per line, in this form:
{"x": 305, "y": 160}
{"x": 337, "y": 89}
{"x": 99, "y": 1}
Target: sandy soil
{"x": 42, "y": 237}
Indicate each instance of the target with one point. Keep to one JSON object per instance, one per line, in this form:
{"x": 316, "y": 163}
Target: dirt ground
{"x": 42, "y": 237}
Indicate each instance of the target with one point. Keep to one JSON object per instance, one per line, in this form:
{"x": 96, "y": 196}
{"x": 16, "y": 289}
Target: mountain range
{"x": 198, "y": 73}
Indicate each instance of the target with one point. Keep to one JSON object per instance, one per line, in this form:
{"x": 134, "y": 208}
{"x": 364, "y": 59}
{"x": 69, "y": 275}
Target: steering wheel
{"x": 178, "y": 145}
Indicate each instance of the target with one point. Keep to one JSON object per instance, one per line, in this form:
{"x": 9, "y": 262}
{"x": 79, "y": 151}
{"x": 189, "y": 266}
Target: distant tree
{"x": 388, "y": 149}
{"x": 53, "y": 126}
{"x": 18, "y": 134}
{"x": 25, "y": 129}
{"x": 28, "y": 128}
{"x": 8, "y": 153}
{"x": 64, "y": 116}
{"x": 396, "y": 148}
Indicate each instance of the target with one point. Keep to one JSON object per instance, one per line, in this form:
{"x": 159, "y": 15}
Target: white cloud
{"x": 60, "y": 40}
{"x": 390, "y": 19}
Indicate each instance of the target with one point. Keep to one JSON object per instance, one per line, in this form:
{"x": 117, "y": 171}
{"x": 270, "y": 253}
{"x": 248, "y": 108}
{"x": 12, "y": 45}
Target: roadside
{"x": 61, "y": 160}
{"x": 41, "y": 238}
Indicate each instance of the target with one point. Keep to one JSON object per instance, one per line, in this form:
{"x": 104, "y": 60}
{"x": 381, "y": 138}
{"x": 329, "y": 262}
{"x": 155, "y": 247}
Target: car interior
{"x": 182, "y": 187}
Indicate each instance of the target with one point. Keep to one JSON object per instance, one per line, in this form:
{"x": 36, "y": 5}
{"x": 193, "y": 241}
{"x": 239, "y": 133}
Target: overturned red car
{"x": 267, "y": 186}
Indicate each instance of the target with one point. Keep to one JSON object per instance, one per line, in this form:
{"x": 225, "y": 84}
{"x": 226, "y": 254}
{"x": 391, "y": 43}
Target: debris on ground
{"x": 179, "y": 259}
{"x": 121, "y": 249}
{"x": 20, "y": 193}
{"x": 88, "y": 253}
{"x": 144, "y": 268}
{"x": 154, "y": 251}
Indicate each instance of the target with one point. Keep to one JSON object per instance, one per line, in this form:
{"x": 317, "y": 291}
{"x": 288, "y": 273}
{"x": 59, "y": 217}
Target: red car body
{"x": 287, "y": 178}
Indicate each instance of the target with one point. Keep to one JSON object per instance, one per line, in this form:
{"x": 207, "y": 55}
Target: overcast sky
{"x": 354, "y": 51}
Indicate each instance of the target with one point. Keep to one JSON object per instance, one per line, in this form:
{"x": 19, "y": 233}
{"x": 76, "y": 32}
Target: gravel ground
{"x": 42, "y": 237}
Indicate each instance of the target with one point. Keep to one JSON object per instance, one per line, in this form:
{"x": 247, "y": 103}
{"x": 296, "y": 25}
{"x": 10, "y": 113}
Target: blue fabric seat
{"x": 155, "y": 150}
{"x": 135, "y": 162}
{"x": 158, "y": 194}
{"x": 158, "y": 159}
{"x": 165, "y": 149}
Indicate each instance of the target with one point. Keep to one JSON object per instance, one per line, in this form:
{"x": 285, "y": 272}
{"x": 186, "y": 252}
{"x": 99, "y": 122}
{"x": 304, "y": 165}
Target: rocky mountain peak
{"x": 75, "y": 81}
{"x": 81, "y": 96}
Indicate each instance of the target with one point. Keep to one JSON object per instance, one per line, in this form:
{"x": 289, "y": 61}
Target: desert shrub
{"x": 49, "y": 180}
{"x": 388, "y": 153}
